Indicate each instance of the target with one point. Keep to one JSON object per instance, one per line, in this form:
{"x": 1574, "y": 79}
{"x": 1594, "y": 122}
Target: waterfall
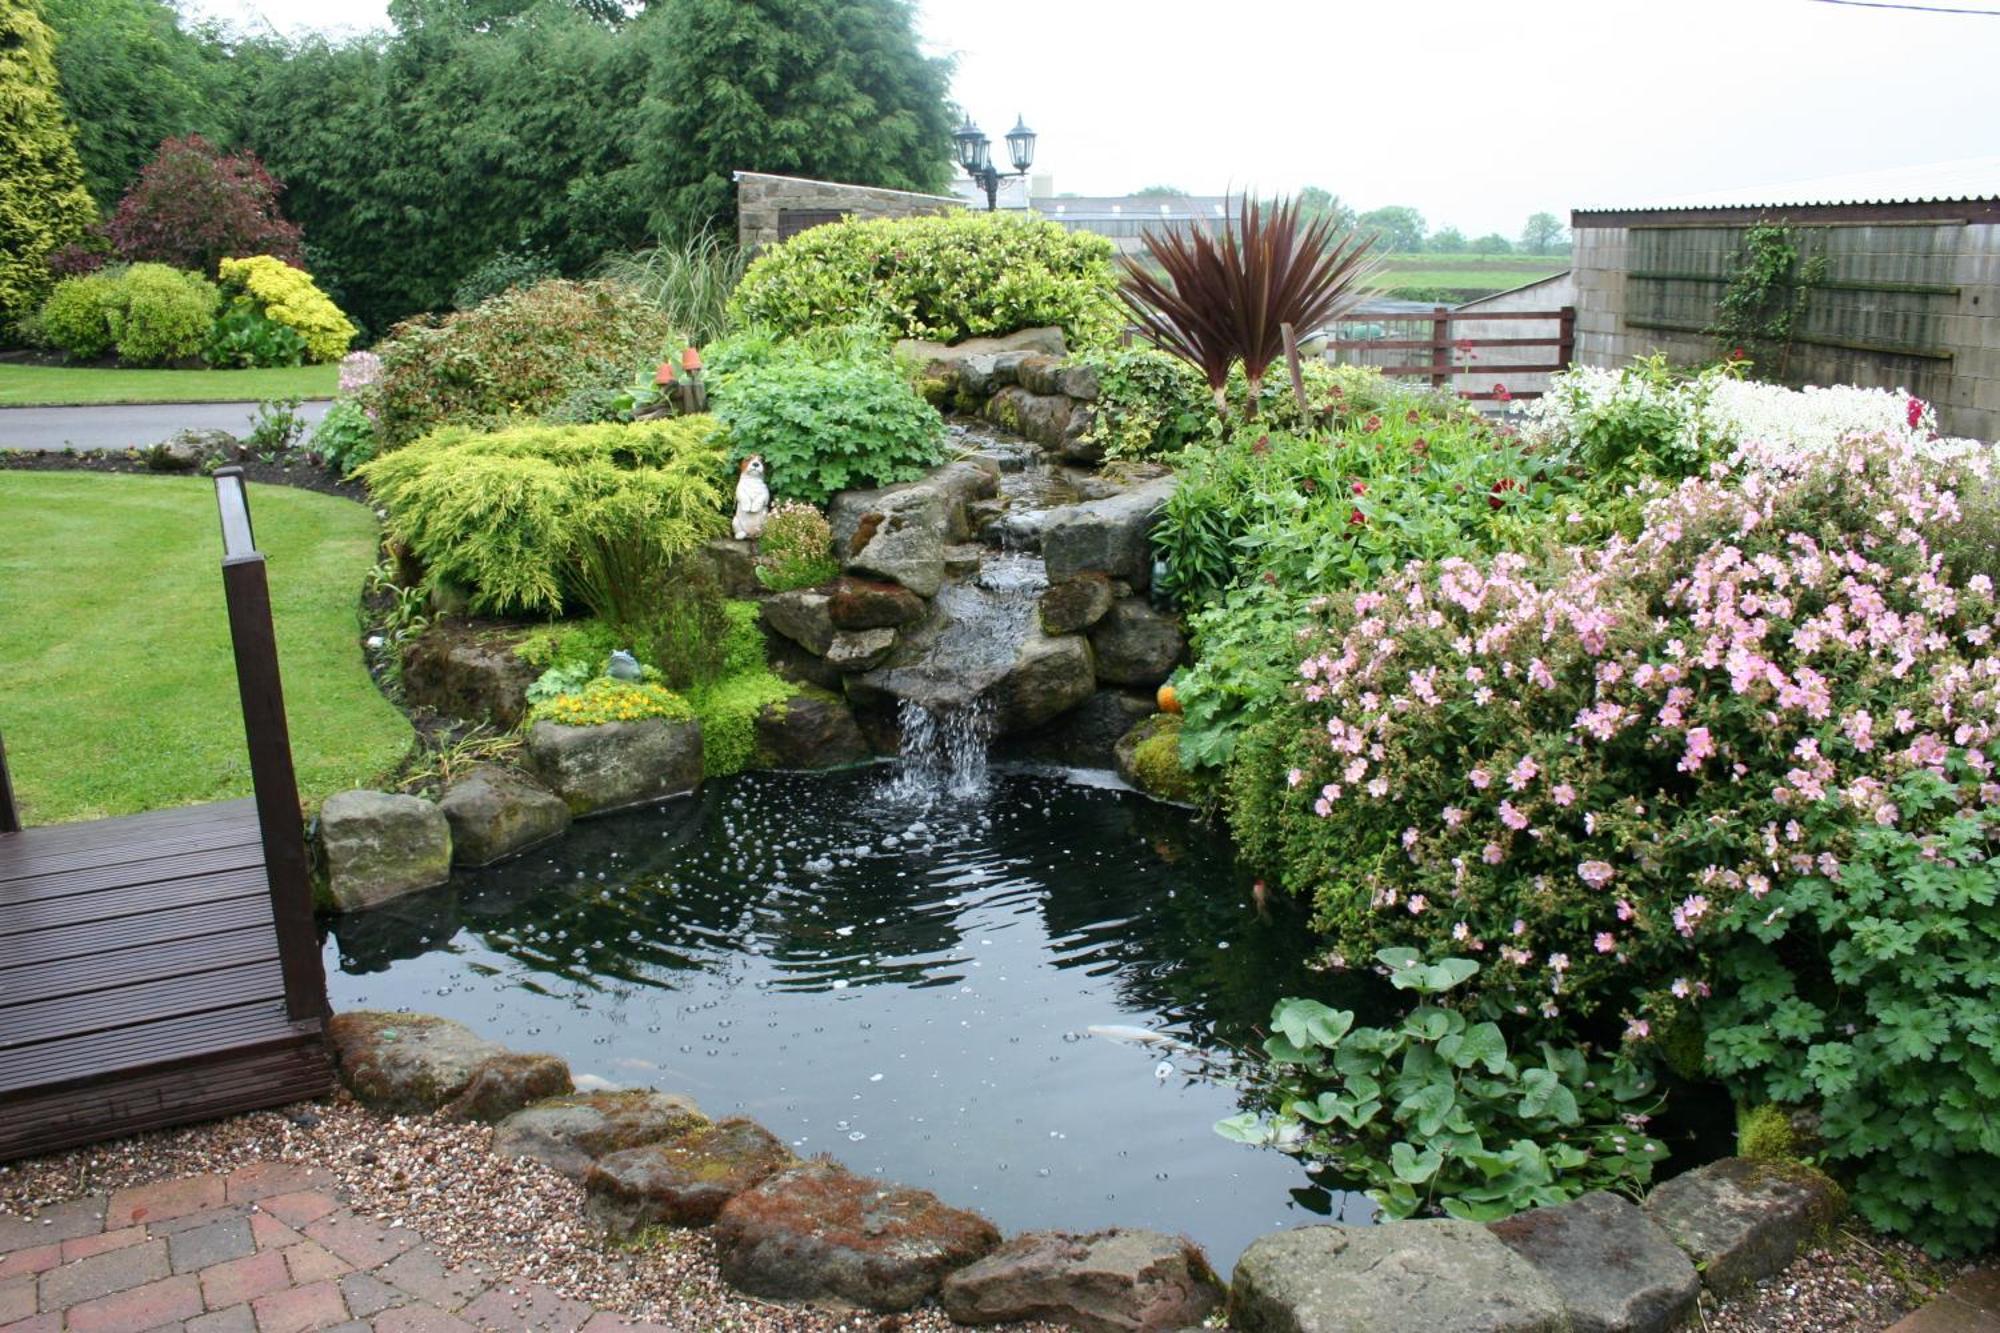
{"x": 943, "y": 753}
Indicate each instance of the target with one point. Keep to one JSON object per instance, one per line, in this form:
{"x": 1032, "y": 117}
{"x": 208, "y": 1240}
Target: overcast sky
{"x": 1566, "y": 103}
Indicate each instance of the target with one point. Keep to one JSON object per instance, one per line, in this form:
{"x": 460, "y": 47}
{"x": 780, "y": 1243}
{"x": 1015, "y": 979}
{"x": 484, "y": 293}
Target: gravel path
{"x": 521, "y": 1225}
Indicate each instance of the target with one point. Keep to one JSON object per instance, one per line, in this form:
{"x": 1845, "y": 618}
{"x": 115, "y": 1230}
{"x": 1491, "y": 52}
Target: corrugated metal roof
{"x": 1968, "y": 179}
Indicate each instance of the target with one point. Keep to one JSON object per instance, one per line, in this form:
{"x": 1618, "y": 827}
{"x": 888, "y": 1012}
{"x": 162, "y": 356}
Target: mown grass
{"x": 117, "y": 687}
{"x": 1496, "y": 273}
{"x": 67, "y": 386}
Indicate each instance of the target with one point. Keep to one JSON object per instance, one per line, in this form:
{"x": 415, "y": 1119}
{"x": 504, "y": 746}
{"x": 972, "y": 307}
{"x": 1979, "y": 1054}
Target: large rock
{"x": 1137, "y": 645}
{"x": 683, "y": 1180}
{"x": 799, "y": 665}
{"x": 733, "y": 566}
{"x": 569, "y": 1131}
{"x": 378, "y": 846}
{"x": 862, "y": 604}
{"x": 1041, "y": 417}
{"x": 1087, "y": 736}
{"x": 807, "y": 731}
{"x": 1079, "y": 443}
{"x": 617, "y": 764}
{"x": 1110, "y": 536}
{"x": 1078, "y": 381}
{"x": 1076, "y": 604}
{"x": 470, "y": 673}
{"x": 818, "y": 1231}
{"x": 497, "y": 812}
{"x": 1741, "y": 1220}
{"x": 1039, "y": 373}
{"x": 906, "y": 546}
{"x": 187, "y": 450}
{"x": 801, "y": 615}
{"x": 942, "y": 360}
{"x": 1107, "y": 1282}
{"x": 860, "y": 649}
{"x": 1148, "y": 757}
{"x": 1049, "y": 676}
{"x": 1614, "y": 1269}
{"x": 408, "y": 1064}
{"x": 1441, "y": 1277}
{"x": 940, "y": 499}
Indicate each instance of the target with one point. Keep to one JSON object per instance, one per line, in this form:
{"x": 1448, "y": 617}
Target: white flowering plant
{"x": 1662, "y": 772}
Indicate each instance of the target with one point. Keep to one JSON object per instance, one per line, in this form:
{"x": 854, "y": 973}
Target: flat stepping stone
{"x": 683, "y": 1181}
{"x": 1972, "y": 1305}
{"x": 1117, "y": 1281}
{"x": 1615, "y": 1270}
{"x": 409, "y": 1064}
{"x": 1742, "y": 1220}
{"x": 1441, "y": 1277}
{"x": 818, "y": 1231}
{"x": 569, "y": 1132}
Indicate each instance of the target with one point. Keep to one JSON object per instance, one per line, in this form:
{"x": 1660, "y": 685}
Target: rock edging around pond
{"x": 813, "y": 1231}
{"x": 785, "y": 1229}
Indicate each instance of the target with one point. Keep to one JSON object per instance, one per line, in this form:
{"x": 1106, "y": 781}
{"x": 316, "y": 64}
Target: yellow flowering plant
{"x": 288, "y": 296}
{"x": 606, "y": 700}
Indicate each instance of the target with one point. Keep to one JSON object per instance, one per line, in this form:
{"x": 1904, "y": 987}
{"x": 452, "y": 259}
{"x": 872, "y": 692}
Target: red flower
{"x": 1356, "y": 519}
{"x": 1374, "y": 423}
{"x": 1308, "y": 485}
{"x": 665, "y": 374}
{"x": 690, "y": 360}
{"x": 1412, "y": 417}
{"x": 1500, "y": 392}
{"x": 1360, "y": 488}
{"x": 1262, "y": 447}
{"x": 1496, "y": 497}
{"x": 1420, "y": 445}
{"x": 1736, "y": 354}
{"x": 1915, "y": 411}
{"x": 1464, "y": 345}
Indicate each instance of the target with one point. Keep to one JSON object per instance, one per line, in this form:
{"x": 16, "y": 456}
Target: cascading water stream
{"x": 943, "y": 754}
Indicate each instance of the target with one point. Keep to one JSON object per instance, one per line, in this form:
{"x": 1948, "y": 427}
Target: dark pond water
{"x": 954, "y": 994}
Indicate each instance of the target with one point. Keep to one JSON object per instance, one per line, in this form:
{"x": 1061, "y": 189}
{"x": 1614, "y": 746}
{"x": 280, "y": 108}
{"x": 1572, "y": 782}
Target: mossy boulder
{"x": 1115, "y": 1281}
{"x": 409, "y": 1064}
{"x": 378, "y": 845}
{"x": 1149, "y": 758}
{"x": 1742, "y": 1220}
{"x": 683, "y": 1180}
{"x": 820, "y": 1232}
{"x": 569, "y": 1131}
{"x": 813, "y": 729}
{"x": 616, "y": 764}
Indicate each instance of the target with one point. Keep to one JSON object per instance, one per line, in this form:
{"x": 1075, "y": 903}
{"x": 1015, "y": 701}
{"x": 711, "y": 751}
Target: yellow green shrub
{"x": 289, "y": 297}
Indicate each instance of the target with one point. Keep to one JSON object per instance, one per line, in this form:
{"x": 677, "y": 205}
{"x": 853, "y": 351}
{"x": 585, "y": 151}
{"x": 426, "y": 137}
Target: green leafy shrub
{"x": 728, "y": 710}
{"x": 1150, "y": 404}
{"x": 76, "y": 318}
{"x": 519, "y": 353}
{"x": 1436, "y": 1114}
{"x": 148, "y": 313}
{"x": 825, "y": 417}
{"x": 345, "y": 437}
{"x": 1736, "y": 769}
{"x": 244, "y": 337}
{"x": 684, "y": 625}
{"x": 537, "y": 517}
{"x": 603, "y": 699}
{"x": 501, "y": 272}
{"x": 43, "y": 203}
{"x": 796, "y": 548}
{"x": 945, "y": 278}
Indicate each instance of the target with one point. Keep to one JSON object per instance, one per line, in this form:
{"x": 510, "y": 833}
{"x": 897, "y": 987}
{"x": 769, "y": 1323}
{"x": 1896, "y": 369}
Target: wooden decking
{"x": 141, "y": 981}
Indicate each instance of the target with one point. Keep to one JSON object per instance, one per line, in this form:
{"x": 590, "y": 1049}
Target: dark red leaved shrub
{"x": 194, "y": 206}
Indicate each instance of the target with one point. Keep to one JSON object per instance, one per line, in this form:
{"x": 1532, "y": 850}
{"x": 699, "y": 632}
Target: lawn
{"x": 1490, "y": 273}
{"x": 59, "y": 386}
{"x": 117, "y": 688}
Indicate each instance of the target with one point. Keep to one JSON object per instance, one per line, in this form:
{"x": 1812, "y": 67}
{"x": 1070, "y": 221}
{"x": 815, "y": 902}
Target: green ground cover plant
{"x": 132, "y": 704}
{"x": 944, "y": 278}
{"x": 149, "y": 314}
{"x": 63, "y": 386}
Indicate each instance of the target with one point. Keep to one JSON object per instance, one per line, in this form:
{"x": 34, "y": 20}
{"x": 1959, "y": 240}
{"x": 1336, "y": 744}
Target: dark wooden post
{"x": 1440, "y": 347}
{"x": 1566, "y": 335}
{"x": 10, "y": 817}
{"x": 248, "y": 595}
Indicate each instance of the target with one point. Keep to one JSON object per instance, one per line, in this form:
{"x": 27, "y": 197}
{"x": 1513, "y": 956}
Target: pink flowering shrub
{"x": 1682, "y": 766}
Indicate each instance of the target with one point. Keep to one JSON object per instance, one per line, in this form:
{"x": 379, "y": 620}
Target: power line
{"x": 1916, "y": 9}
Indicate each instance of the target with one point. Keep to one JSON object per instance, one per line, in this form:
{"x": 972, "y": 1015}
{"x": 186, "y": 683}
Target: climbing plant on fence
{"x": 1771, "y": 280}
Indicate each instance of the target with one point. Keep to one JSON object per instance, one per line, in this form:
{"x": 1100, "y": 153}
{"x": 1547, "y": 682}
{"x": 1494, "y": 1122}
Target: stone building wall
{"x": 1912, "y": 305}
{"x": 770, "y": 208}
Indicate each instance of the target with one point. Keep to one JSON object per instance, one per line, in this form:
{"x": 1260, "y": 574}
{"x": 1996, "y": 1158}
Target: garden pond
{"x": 1026, "y": 990}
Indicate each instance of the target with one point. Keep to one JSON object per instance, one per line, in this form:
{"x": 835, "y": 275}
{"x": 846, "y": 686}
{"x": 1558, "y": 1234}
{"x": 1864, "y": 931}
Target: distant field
{"x": 1486, "y": 273}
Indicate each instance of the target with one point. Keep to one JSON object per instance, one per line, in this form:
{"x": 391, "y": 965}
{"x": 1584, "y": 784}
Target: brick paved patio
{"x": 266, "y": 1249}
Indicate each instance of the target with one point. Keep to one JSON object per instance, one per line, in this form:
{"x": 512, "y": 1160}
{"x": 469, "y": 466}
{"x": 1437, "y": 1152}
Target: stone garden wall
{"x": 770, "y": 209}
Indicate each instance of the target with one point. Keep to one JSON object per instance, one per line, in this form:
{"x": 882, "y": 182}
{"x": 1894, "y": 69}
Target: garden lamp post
{"x": 975, "y": 154}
